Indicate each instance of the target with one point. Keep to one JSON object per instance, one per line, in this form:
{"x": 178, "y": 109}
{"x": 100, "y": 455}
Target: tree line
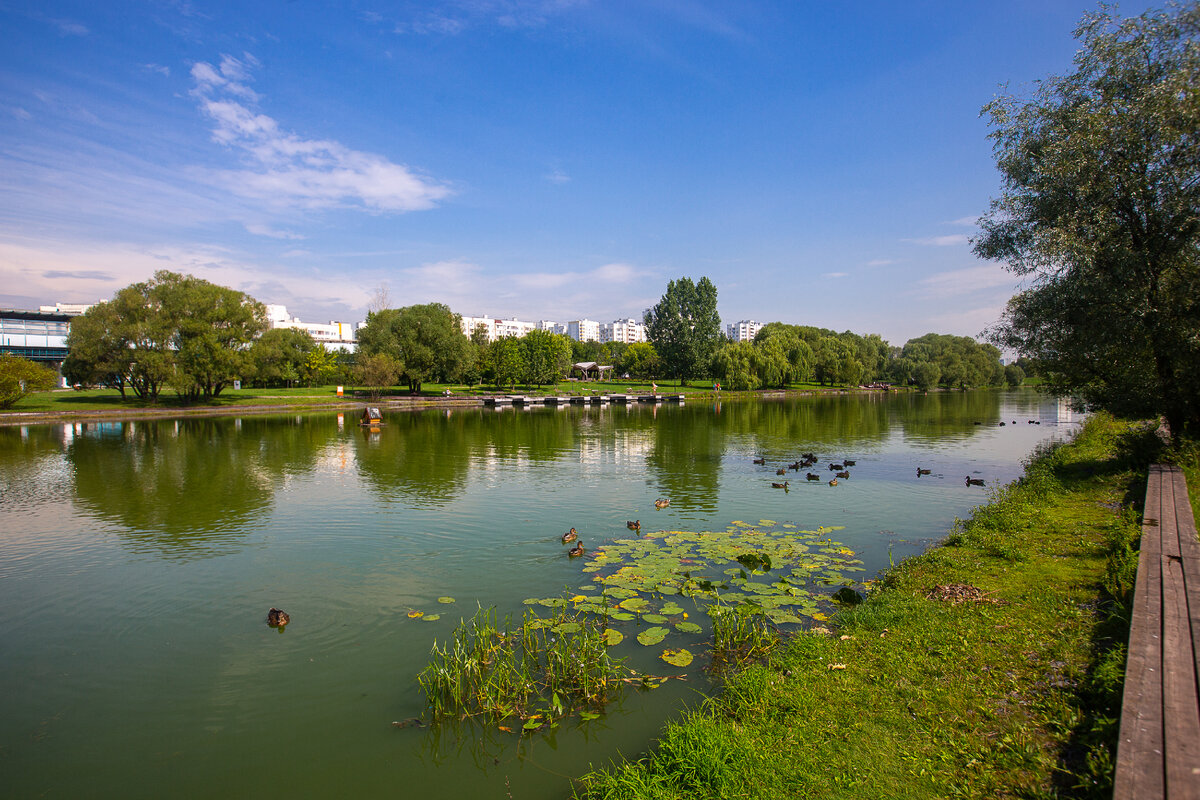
{"x": 184, "y": 333}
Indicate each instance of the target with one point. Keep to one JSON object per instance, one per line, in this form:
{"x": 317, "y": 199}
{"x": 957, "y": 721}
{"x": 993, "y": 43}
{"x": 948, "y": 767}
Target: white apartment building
{"x": 513, "y": 327}
{"x": 583, "y": 330}
{"x": 469, "y": 324}
{"x": 552, "y": 326}
{"x": 330, "y": 336}
{"x": 623, "y": 330}
{"x": 744, "y": 330}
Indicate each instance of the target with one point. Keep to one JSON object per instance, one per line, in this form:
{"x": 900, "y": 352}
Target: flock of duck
{"x": 633, "y": 525}
{"x": 839, "y": 469}
{"x": 806, "y": 461}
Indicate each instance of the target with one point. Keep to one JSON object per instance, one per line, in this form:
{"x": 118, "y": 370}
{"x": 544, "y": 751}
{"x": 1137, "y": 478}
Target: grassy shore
{"x": 988, "y": 667}
{"x": 107, "y": 402}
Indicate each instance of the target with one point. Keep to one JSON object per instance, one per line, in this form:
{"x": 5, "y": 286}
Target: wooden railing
{"x": 1159, "y": 750}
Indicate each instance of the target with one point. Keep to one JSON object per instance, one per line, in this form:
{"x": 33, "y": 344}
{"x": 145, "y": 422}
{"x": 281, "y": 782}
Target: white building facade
{"x": 332, "y": 336}
{"x": 583, "y": 330}
{"x": 744, "y": 331}
{"x": 623, "y": 330}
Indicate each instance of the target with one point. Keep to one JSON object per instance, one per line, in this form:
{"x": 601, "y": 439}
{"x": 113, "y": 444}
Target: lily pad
{"x": 568, "y": 627}
{"x": 687, "y": 627}
{"x": 634, "y": 603}
{"x": 415, "y": 614}
{"x": 677, "y": 658}
{"x": 613, "y": 637}
{"x": 671, "y": 609}
{"x": 447, "y": 600}
{"x": 657, "y": 619}
{"x": 431, "y": 617}
{"x": 652, "y": 636}
{"x": 622, "y": 616}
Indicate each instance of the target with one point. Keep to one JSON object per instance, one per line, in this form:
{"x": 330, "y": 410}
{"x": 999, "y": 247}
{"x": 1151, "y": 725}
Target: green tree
{"x": 20, "y": 377}
{"x": 278, "y": 357}
{"x": 1100, "y": 214}
{"x": 1014, "y": 376}
{"x": 684, "y": 327}
{"x": 926, "y": 374}
{"x": 376, "y": 371}
{"x": 640, "y": 360}
{"x": 508, "y": 361}
{"x": 427, "y": 341}
{"x": 547, "y": 357}
{"x": 734, "y": 364}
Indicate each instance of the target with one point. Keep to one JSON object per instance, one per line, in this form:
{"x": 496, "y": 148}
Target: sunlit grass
{"x": 1013, "y": 695}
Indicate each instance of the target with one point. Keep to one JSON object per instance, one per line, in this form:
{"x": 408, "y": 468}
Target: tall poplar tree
{"x": 684, "y": 327}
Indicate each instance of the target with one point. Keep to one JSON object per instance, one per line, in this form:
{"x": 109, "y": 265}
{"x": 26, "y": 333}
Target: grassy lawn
{"x": 1013, "y": 693}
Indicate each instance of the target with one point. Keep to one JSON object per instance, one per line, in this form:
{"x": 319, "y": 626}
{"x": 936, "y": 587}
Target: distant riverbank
{"x": 107, "y": 404}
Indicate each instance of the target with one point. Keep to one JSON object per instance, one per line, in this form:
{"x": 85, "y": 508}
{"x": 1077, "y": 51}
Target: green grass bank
{"x": 990, "y": 666}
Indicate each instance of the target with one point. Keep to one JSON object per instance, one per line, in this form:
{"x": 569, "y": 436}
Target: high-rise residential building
{"x": 744, "y": 331}
{"x": 583, "y": 330}
{"x": 623, "y": 330}
{"x": 469, "y": 324}
{"x": 513, "y": 328}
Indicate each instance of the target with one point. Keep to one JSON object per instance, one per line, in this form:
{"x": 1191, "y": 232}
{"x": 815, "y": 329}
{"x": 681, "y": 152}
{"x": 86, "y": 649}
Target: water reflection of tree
{"x": 187, "y": 488}
{"x": 940, "y": 415}
{"x": 426, "y": 457}
{"x": 30, "y": 466}
{"x": 686, "y": 455}
{"x": 785, "y": 429}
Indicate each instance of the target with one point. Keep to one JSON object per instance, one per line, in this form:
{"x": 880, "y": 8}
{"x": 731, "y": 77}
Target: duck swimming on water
{"x": 577, "y": 550}
{"x": 277, "y": 618}
{"x": 569, "y": 536}
{"x": 634, "y": 525}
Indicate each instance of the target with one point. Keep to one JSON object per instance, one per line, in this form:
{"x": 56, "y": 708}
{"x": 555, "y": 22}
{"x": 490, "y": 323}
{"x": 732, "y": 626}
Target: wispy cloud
{"x": 20, "y": 113}
{"x": 951, "y": 240}
{"x": 159, "y": 68}
{"x": 286, "y": 169}
{"x": 836, "y": 275}
{"x": 274, "y": 233}
{"x": 966, "y": 281}
{"x": 558, "y": 176}
{"x": 880, "y": 262}
{"x": 467, "y": 14}
{"x": 969, "y": 222}
{"x": 69, "y": 27}
{"x": 77, "y": 275}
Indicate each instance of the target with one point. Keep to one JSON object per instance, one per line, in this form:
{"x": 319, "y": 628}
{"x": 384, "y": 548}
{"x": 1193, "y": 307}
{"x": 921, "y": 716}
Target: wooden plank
{"x": 1139, "y": 769}
{"x": 1181, "y": 708}
{"x": 1166, "y": 517}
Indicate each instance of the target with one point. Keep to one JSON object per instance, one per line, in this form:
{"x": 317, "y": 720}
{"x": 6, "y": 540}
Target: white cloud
{"x": 966, "y": 281}
{"x": 20, "y": 113}
{"x": 969, "y": 222}
{"x": 558, "y": 176}
{"x": 159, "y": 68}
{"x": 880, "y": 262}
{"x": 951, "y": 240}
{"x": 70, "y": 28}
{"x": 274, "y": 233}
{"x": 836, "y": 275}
{"x": 288, "y": 170}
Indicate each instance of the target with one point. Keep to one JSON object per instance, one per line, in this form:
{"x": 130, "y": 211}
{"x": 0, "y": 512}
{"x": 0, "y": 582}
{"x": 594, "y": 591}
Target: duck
{"x": 783, "y": 485}
{"x": 794, "y": 465}
{"x": 843, "y": 474}
{"x": 577, "y": 550}
{"x": 277, "y": 618}
{"x": 833, "y": 482}
{"x": 781, "y": 471}
{"x": 921, "y": 472}
{"x": 570, "y": 536}
{"x": 634, "y": 524}
{"x": 812, "y": 477}
{"x": 974, "y": 481}
{"x": 848, "y": 462}
{"x": 834, "y": 467}
{"x": 760, "y": 460}
{"x": 662, "y": 502}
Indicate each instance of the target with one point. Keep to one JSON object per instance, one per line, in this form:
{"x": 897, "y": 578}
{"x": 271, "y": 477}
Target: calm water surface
{"x": 138, "y": 560}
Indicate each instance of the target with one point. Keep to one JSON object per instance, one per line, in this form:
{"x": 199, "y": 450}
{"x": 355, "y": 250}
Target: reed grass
{"x": 741, "y": 634}
{"x": 538, "y": 671}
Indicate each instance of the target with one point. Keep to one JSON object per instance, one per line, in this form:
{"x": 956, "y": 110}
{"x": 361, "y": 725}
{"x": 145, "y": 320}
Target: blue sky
{"x": 822, "y": 163}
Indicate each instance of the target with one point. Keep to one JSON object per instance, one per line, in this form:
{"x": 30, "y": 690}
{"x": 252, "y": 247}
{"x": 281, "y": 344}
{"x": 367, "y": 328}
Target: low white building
{"x": 623, "y": 330}
{"x": 331, "y": 336}
{"x": 470, "y": 324}
{"x": 744, "y": 331}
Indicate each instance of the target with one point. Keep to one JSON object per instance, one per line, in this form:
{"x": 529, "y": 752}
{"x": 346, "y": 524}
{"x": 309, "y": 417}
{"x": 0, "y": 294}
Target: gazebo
{"x": 590, "y": 370}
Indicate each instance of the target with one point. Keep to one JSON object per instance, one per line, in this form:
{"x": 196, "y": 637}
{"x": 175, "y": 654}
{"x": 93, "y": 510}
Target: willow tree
{"x": 1100, "y": 214}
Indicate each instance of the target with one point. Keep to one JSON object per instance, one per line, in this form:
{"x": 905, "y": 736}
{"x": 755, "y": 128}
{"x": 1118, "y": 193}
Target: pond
{"x": 138, "y": 561}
